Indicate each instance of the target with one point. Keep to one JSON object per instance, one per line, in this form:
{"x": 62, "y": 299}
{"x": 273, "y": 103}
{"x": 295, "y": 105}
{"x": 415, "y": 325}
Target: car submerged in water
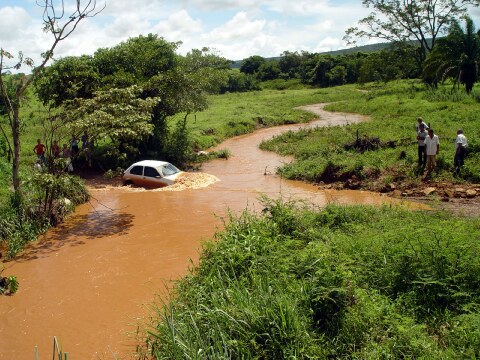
{"x": 151, "y": 174}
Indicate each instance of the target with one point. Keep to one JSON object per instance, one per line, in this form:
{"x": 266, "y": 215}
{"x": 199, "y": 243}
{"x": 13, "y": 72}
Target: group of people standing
{"x": 67, "y": 152}
{"x": 429, "y": 147}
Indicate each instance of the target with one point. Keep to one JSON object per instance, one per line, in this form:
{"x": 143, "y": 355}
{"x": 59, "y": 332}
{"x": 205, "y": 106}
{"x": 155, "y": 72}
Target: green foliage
{"x": 269, "y": 70}
{"x": 179, "y": 148}
{"x": 67, "y": 79}
{"x": 140, "y": 57}
{"x": 123, "y": 95}
{"x": 280, "y": 84}
{"x": 400, "y": 22}
{"x": 117, "y": 114}
{"x": 239, "y": 82}
{"x": 252, "y": 64}
{"x": 342, "y": 282}
{"x": 8, "y": 285}
{"x": 49, "y": 198}
{"x": 18, "y": 226}
{"x": 455, "y": 56}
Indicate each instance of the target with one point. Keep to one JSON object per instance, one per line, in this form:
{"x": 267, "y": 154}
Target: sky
{"x": 235, "y": 29}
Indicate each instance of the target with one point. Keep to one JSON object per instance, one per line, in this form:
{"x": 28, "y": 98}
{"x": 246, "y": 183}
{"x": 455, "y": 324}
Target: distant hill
{"x": 364, "y": 48}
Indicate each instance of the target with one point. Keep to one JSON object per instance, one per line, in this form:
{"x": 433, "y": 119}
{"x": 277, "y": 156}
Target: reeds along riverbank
{"x": 345, "y": 282}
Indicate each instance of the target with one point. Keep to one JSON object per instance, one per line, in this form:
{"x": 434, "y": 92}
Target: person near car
{"x": 73, "y": 146}
{"x": 67, "y": 155}
{"x": 460, "y": 150}
{"x": 422, "y": 153}
{"x": 55, "y": 149}
{"x": 39, "y": 150}
{"x": 84, "y": 139}
{"x": 432, "y": 144}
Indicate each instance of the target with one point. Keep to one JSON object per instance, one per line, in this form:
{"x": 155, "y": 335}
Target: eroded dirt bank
{"x": 90, "y": 280}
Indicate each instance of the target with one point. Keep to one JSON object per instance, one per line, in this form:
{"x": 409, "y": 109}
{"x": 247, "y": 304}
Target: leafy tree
{"x": 404, "y": 20}
{"x": 60, "y": 26}
{"x": 251, "y": 64}
{"x": 456, "y": 56}
{"x": 179, "y": 83}
{"x": 240, "y": 82}
{"x": 141, "y": 57}
{"x": 113, "y": 114}
{"x": 337, "y": 75}
{"x": 397, "y": 62}
{"x": 290, "y": 63}
{"x": 183, "y": 88}
{"x": 323, "y": 65}
{"x": 269, "y": 70}
{"x": 66, "y": 79}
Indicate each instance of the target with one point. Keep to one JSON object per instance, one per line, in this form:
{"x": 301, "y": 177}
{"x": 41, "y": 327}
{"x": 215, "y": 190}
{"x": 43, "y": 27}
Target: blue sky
{"x": 236, "y": 29}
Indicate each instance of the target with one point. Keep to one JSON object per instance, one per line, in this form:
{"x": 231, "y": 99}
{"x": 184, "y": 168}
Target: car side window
{"x": 136, "y": 170}
{"x": 150, "y": 172}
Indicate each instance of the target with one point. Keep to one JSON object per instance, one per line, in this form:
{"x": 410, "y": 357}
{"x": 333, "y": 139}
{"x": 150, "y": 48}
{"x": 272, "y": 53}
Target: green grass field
{"x": 343, "y": 282}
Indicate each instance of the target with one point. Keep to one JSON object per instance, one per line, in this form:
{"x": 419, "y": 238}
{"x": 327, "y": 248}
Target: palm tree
{"x": 455, "y": 56}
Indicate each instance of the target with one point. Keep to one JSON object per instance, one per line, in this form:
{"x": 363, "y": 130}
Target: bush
{"x": 50, "y": 198}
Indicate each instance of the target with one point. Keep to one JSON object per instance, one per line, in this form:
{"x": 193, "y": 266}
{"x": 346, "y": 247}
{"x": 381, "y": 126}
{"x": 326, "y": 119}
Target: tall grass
{"x": 343, "y": 282}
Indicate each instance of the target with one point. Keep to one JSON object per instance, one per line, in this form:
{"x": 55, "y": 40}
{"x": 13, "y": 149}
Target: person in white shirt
{"x": 422, "y": 155}
{"x": 460, "y": 150}
{"x": 420, "y": 122}
{"x": 432, "y": 144}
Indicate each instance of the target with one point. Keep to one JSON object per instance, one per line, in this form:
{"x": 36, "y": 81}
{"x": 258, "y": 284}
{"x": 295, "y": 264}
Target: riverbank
{"x": 341, "y": 282}
{"x": 380, "y": 155}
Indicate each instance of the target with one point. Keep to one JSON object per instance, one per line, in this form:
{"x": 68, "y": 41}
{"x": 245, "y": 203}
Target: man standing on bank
{"x": 460, "y": 150}
{"x": 420, "y": 122}
{"x": 432, "y": 144}
{"x": 422, "y": 154}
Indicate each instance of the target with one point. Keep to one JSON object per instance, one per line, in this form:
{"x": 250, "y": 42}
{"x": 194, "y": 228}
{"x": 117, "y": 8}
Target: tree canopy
{"x": 404, "y": 20}
{"x": 456, "y": 56}
{"x": 150, "y": 65}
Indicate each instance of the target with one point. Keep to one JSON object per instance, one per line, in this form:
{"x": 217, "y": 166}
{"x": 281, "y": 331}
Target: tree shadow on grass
{"x": 77, "y": 230}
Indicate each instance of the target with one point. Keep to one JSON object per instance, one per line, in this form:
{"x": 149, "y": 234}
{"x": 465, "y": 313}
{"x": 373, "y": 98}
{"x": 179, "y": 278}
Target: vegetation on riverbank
{"x": 46, "y": 201}
{"x": 388, "y": 159}
{"x": 343, "y": 282}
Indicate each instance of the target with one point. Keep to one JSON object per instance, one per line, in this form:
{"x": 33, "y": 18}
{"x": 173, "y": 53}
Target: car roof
{"x": 152, "y": 163}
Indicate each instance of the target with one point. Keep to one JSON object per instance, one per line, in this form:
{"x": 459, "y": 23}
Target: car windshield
{"x": 169, "y": 169}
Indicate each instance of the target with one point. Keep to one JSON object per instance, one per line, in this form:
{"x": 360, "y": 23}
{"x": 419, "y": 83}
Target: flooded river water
{"x": 89, "y": 281}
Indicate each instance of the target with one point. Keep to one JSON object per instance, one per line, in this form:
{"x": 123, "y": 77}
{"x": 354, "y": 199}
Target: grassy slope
{"x": 320, "y": 155}
{"x": 238, "y": 113}
{"x": 354, "y": 282}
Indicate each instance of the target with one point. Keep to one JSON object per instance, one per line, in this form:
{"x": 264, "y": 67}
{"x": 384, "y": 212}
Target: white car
{"x": 151, "y": 173}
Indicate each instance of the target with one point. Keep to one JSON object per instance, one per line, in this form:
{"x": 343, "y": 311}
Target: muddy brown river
{"x": 91, "y": 280}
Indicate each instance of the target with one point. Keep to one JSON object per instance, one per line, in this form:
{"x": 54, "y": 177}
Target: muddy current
{"x": 90, "y": 281}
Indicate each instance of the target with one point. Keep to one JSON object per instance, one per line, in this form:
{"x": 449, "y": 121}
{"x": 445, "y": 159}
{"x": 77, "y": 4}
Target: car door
{"x": 136, "y": 175}
{"x": 152, "y": 177}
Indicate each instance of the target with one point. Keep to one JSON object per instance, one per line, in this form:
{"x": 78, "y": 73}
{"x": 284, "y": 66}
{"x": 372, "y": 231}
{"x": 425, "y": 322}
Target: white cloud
{"x": 240, "y": 27}
{"x": 14, "y": 21}
{"x": 179, "y": 26}
{"x": 237, "y": 28}
{"x": 220, "y": 5}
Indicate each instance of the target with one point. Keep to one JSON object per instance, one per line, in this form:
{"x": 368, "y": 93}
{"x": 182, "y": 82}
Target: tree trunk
{"x": 16, "y": 147}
